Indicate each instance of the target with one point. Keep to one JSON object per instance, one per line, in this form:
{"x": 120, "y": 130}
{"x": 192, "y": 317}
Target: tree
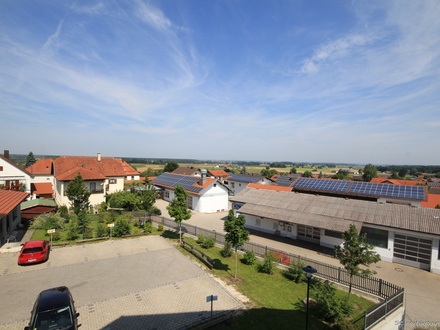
{"x": 394, "y": 175}
{"x": 354, "y": 252}
{"x": 292, "y": 170}
{"x": 30, "y": 159}
{"x": 341, "y": 175}
{"x": 77, "y": 193}
{"x": 370, "y": 172}
{"x": 147, "y": 173}
{"x": 437, "y": 206}
{"x": 438, "y": 175}
{"x": 307, "y": 174}
{"x": 402, "y": 172}
{"x": 236, "y": 235}
{"x": 320, "y": 175}
{"x": 268, "y": 173}
{"x": 170, "y": 167}
{"x": 243, "y": 170}
{"x": 178, "y": 209}
{"x": 139, "y": 196}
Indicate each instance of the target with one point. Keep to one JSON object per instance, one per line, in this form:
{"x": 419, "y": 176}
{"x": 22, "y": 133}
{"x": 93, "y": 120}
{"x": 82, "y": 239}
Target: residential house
{"x": 400, "y": 233}
{"x": 188, "y": 171}
{"x": 42, "y": 179}
{"x": 219, "y": 175}
{"x": 10, "y": 213}
{"x": 206, "y": 195}
{"x": 12, "y": 176}
{"x": 238, "y": 182}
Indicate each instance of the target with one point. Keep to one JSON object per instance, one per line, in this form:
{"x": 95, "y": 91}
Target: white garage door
{"x": 412, "y": 251}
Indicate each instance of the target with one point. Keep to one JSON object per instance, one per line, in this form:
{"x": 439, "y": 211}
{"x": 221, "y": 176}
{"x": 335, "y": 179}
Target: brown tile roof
{"x": 41, "y": 188}
{"x": 296, "y": 206}
{"x": 13, "y": 164}
{"x": 127, "y": 168}
{"x": 43, "y": 166}
{"x": 107, "y": 167}
{"x": 185, "y": 170}
{"x": 433, "y": 201}
{"x": 269, "y": 187}
{"x": 9, "y": 199}
{"x": 218, "y": 173}
{"x": 397, "y": 182}
{"x": 86, "y": 174}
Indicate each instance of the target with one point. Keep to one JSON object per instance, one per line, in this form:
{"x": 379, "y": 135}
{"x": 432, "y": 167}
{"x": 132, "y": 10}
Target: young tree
{"x": 370, "y": 172}
{"x": 354, "y": 253}
{"x": 30, "y": 159}
{"x": 292, "y": 170}
{"x": 320, "y": 175}
{"x": 236, "y": 235}
{"x": 307, "y": 174}
{"x": 178, "y": 209}
{"x": 170, "y": 167}
{"x": 77, "y": 193}
{"x": 243, "y": 170}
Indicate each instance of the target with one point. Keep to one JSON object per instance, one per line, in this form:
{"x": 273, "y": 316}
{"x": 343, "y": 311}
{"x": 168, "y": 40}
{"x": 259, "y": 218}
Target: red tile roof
{"x": 107, "y": 167}
{"x": 218, "y": 173}
{"x": 433, "y": 201}
{"x": 269, "y": 187}
{"x": 397, "y": 182}
{"x": 127, "y": 168}
{"x": 43, "y": 166}
{"x": 9, "y": 199}
{"x": 41, "y": 188}
{"x": 13, "y": 164}
{"x": 185, "y": 170}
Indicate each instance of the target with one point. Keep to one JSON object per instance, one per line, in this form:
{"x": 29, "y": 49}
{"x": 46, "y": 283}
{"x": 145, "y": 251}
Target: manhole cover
{"x": 399, "y": 269}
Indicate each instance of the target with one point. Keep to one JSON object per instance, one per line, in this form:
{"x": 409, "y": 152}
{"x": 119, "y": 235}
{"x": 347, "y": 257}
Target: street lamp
{"x": 83, "y": 206}
{"x": 309, "y": 271}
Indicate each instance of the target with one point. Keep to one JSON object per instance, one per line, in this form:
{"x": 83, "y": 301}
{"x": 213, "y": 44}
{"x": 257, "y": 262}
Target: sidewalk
{"x": 422, "y": 288}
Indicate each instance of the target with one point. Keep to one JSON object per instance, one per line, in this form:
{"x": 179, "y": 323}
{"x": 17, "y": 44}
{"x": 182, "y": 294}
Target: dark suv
{"x": 54, "y": 310}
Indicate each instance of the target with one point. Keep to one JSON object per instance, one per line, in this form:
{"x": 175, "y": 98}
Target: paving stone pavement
{"x": 173, "y": 305}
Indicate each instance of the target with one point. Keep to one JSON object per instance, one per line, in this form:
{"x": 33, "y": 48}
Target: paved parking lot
{"x": 142, "y": 283}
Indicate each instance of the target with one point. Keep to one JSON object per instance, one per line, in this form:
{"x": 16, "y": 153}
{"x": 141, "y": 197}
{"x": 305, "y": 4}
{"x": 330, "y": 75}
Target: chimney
{"x": 203, "y": 180}
{"x": 6, "y": 154}
{"x": 99, "y": 156}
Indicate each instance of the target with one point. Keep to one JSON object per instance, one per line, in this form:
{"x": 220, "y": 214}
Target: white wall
{"x": 12, "y": 173}
{"x": 435, "y": 261}
{"x": 212, "y": 199}
{"x": 404, "y": 201}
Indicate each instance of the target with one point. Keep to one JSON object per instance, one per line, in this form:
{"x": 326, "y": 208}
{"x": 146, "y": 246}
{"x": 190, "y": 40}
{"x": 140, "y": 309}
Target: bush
{"x": 128, "y": 216}
{"x": 101, "y": 230}
{"x": 101, "y": 217}
{"x": 148, "y": 227}
{"x": 111, "y": 216}
{"x": 136, "y": 230}
{"x": 122, "y": 227}
{"x": 250, "y": 258}
{"x": 102, "y": 207}
{"x": 56, "y": 236}
{"x": 209, "y": 242}
{"x": 64, "y": 212}
{"x": 295, "y": 271}
{"x": 136, "y": 223}
{"x": 160, "y": 227}
{"x": 268, "y": 266}
{"x": 226, "y": 252}
{"x": 328, "y": 306}
{"x": 155, "y": 210}
{"x": 71, "y": 233}
{"x": 48, "y": 221}
{"x": 344, "y": 325}
{"x": 201, "y": 239}
{"x": 88, "y": 232}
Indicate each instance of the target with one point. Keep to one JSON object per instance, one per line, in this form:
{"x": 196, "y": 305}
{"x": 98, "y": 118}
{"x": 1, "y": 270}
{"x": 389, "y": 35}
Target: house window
{"x": 275, "y": 225}
{"x": 377, "y": 237}
{"x": 167, "y": 194}
{"x": 232, "y": 185}
{"x": 1, "y": 168}
{"x": 92, "y": 186}
{"x": 112, "y": 180}
{"x": 334, "y": 234}
{"x": 239, "y": 184}
{"x": 258, "y": 222}
{"x": 215, "y": 185}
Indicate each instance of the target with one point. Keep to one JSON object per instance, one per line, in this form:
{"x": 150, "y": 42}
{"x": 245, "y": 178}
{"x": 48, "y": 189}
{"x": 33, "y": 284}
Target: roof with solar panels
{"x": 191, "y": 184}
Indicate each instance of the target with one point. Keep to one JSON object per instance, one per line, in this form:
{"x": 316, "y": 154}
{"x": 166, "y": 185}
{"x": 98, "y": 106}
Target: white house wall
{"x": 12, "y": 173}
{"x": 212, "y": 199}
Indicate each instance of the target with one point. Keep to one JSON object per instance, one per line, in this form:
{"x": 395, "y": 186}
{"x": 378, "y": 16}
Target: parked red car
{"x": 33, "y": 252}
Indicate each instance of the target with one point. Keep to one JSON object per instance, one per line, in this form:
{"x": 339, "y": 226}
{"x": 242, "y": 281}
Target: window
{"x": 215, "y": 185}
{"x": 258, "y": 222}
{"x": 275, "y": 225}
{"x": 167, "y": 194}
{"x": 92, "y": 185}
{"x": 334, "y": 234}
{"x": 112, "y": 181}
{"x": 232, "y": 185}
{"x": 377, "y": 237}
{"x": 239, "y": 184}
{"x": 1, "y": 168}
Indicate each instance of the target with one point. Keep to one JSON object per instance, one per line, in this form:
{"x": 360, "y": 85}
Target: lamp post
{"x": 83, "y": 206}
{"x": 309, "y": 271}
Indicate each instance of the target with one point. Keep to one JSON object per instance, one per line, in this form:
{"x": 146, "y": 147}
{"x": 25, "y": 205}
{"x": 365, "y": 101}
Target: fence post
{"x": 339, "y": 275}
{"x": 195, "y": 230}
{"x": 380, "y": 287}
{"x": 386, "y": 307}
{"x": 365, "y": 320}
{"x": 266, "y": 251}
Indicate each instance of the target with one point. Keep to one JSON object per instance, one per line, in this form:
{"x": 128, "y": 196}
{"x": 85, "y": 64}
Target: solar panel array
{"x": 243, "y": 178}
{"x": 174, "y": 180}
{"x": 378, "y": 189}
{"x": 285, "y": 181}
{"x": 433, "y": 184}
{"x": 319, "y": 184}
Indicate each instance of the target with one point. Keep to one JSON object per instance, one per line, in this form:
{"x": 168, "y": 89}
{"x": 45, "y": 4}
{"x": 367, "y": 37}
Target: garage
{"x": 412, "y": 251}
{"x": 308, "y": 233}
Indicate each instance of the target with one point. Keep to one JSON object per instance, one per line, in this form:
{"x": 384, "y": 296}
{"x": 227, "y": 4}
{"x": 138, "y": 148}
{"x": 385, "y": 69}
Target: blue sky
{"x": 317, "y": 81}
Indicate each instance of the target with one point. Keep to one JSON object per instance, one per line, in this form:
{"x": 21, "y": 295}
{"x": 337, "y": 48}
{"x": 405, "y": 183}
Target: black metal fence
{"x": 392, "y": 294}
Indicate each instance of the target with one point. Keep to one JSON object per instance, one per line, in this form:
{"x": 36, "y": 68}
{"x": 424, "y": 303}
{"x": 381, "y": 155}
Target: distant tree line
{"x": 409, "y": 169}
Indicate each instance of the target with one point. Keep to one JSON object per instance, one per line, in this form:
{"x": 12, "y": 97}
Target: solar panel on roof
{"x": 379, "y": 189}
{"x": 174, "y": 180}
{"x": 319, "y": 184}
{"x": 243, "y": 178}
{"x": 285, "y": 181}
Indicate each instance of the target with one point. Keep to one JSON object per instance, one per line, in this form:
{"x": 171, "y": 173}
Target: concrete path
{"x": 422, "y": 289}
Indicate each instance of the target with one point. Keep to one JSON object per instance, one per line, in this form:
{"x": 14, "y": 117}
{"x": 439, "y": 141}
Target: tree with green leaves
{"x": 77, "y": 193}
{"x": 148, "y": 172}
{"x": 178, "y": 209}
{"x": 236, "y": 235}
{"x": 320, "y": 175}
{"x": 170, "y": 167}
{"x": 243, "y": 170}
{"x": 394, "y": 176}
{"x": 292, "y": 170}
{"x": 437, "y": 206}
{"x": 138, "y": 196}
{"x": 30, "y": 159}
{"x": 307, "y": 174}
{"x": 268, "y": 173}
{"x": 341, "y": 175}
{"x": 370, "y": 172}
{"x": 355, "y": 252}
{"x": 402, "y": 172}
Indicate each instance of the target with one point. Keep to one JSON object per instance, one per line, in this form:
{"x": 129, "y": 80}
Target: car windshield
{"x": 53, "y": 319}
{"x": 33, "y": 250}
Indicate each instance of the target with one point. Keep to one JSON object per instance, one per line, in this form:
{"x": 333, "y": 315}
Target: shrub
{"x": 250, "y": 258}
{"x": 209, "y": 242}
{"x": 102, "y": 207}
{"x": 48, "y": 221}
{"x": 122, "y": 227}
{"x": 101, "y": 230}
{"x": 136, "y": 230}
{"x": 155, "y": 210}
{"x": 328, "y": 306}
{"x": 201, "y": 239}
{"x": 56, "y": 236}
{"x": 160, "y": 227}
{"x": 136, "y": 223}
{"x": 226, "y": 252}
{"x": 88, "y": 232}
{"x": 101, "y": 217}
{"x": 295, "y": 271}
{"x": 268, "y": 266}
{"x": 148, "y": 227}
{"x": 111, "y": 216}
{"x": 128, "y": 216}
{"x": 71, "y": 233}
{"x": 64, "y": 212}
{"x": 344, "y": 325}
